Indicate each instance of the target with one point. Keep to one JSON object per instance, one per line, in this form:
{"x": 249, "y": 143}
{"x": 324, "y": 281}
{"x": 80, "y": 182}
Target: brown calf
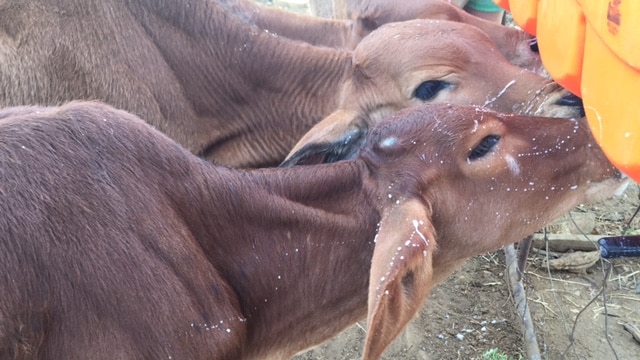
{"x": 226, "y": 90}
{"x": 514, "y": 44}
{"x": 117, "y": 243}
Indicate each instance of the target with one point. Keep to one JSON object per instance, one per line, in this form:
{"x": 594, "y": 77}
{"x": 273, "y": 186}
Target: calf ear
{"x": 337, "y": 137}
{"x": 344, "y": 148}
{"x": 401, "y": 272}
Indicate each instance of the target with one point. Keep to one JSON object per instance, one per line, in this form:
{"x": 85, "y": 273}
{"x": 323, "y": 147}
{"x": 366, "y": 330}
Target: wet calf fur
{"x": 116, "y": 242}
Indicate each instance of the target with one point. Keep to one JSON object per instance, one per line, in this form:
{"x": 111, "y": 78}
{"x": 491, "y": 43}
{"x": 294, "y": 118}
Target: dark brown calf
{"x": 117, "y": 243}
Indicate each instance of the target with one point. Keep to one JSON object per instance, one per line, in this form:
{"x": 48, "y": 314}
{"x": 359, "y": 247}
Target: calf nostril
{"x": 533, "y": 44}
{"x": 572, "y": 100}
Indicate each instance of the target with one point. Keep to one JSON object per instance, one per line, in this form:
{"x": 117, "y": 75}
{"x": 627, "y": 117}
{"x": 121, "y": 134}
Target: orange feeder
{"x": 592, "y": 48}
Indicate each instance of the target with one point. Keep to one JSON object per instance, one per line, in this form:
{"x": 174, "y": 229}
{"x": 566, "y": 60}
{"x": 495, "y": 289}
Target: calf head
{"x": 518, "y": 47}
{"x": 427, "y": 61}
{"x": 456, "y": 182}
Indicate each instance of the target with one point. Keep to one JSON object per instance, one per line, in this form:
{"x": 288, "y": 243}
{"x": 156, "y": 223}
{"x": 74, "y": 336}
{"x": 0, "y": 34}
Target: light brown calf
{"x": 458, "y": 65}
{"x": 117, "y": 243}
{"x": 223, "y": 88}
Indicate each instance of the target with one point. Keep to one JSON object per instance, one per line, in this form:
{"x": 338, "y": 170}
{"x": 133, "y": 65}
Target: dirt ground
{"x": 474, "y": 311}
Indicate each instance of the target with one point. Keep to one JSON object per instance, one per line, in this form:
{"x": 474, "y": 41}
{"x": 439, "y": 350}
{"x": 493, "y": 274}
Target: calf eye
{"x": 429, "y": 89}
{"x": 484, "y": 147}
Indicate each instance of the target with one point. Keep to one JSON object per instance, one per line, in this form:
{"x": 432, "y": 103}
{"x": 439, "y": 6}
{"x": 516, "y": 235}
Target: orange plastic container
{"x": 592, "y": 47}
